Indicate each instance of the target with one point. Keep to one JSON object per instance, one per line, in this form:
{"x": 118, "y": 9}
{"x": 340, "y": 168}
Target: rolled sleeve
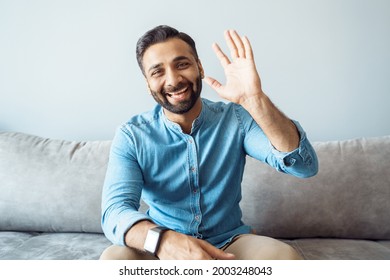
{"x": 301, "y": 162}
{"x": 117, "y": 229}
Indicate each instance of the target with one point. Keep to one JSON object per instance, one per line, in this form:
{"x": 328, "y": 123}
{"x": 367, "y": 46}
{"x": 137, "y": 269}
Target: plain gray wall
{"x": 68, "y": 68}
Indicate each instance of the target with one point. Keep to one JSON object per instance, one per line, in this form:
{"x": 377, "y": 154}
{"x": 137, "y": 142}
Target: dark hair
{"x": 160, "y": 34}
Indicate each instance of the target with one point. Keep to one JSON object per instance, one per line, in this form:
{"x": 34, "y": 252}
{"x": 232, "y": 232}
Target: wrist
{"x": 165, "y": 243}
{"x": 153, "y": 240}
{"x": 255, "y": 102}
{"x": 135, "y": 236}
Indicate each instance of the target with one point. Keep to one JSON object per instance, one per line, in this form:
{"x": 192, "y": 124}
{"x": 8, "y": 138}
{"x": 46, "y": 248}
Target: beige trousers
{"x": 244, "y": 247}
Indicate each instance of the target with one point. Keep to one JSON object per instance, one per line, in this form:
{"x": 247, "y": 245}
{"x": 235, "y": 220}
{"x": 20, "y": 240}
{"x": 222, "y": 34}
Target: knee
{"x": 115, "y": 252}
{"x": 108, "y": 253}
{"x": 255, "y": 247}
{"x": 287, "y": 252}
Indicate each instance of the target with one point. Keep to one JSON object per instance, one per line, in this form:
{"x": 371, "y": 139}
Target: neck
{"x": 185, "y": 120}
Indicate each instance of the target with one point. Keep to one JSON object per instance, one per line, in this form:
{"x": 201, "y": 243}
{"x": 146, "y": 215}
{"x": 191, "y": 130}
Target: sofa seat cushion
{"x": 51, "y": 246}
{"x": 385, "y": 243}
{"x": 341, "y": 249}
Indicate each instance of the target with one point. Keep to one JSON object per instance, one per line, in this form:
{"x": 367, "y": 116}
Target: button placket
{"x": 195, "y": 193}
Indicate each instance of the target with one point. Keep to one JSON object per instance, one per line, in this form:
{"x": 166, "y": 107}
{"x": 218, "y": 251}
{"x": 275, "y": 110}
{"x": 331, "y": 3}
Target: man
{"x": 187, "y": 157}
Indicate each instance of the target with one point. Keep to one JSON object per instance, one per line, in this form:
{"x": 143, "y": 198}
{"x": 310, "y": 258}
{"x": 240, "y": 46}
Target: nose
{"x": 173, "y": 77}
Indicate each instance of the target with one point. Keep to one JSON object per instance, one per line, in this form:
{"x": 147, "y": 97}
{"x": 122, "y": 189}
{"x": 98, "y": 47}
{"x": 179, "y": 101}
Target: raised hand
{"x": 243, "y": 86}
{"x": 242, "y": 79}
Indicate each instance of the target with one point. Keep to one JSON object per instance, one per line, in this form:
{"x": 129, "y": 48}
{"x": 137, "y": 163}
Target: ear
{"x": 200, "y": 67}
{"x": 148, "y": 87}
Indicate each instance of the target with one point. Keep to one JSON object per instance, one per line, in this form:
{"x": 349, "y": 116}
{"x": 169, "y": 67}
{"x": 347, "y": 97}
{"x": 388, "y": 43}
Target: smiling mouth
{"x": 177, "y": 93}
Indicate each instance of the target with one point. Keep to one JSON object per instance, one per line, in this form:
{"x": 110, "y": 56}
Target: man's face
{"x": 173, "y": 74}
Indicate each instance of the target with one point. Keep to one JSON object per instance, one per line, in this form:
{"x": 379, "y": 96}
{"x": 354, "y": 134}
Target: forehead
{"x": 166, "y": 52}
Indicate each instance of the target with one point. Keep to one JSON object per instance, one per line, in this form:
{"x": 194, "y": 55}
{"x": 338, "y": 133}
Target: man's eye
{"x": 183, "y": 65}
{"x": 156, "y": 72}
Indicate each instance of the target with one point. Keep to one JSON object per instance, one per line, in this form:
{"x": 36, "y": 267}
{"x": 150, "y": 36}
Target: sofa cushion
{"x": 51, "y": 246}
{"x": 341, "y": 249}
{"x": 348, "y": 198}
{"x": 385, "y": 243}
{"x": 51, "y": 185}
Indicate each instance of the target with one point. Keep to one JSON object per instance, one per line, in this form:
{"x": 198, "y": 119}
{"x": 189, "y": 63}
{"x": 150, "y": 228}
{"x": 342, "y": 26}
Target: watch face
{"x": 151, "y": 241}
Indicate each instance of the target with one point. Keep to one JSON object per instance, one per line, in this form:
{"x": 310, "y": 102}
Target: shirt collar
{"x": 195, "y": 125}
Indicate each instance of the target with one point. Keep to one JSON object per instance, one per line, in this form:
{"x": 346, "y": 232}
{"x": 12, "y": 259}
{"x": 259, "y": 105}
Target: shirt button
{"x": 289, "y": 162}
{"x": 193, "y": 169}
{"x": 197, "y": 217}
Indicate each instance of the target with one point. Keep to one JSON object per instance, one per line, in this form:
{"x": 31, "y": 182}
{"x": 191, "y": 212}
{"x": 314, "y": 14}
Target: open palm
{"x": 242, "y": 78}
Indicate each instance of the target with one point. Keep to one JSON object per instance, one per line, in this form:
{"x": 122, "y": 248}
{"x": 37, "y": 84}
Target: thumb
{"x": 214, "y": 84}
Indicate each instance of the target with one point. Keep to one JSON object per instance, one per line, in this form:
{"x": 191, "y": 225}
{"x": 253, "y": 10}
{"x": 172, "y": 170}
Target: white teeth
{"x": 178, "y": 92}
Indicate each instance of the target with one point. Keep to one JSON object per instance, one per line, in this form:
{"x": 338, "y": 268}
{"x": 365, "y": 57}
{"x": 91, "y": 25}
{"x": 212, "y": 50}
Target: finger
{"x": 221, "y": 255}
{"x": 248, "y": 47}
{"x": 232, "y": 46}
{"x": 214, "y": 84}
{"x": 238, "y": 43}
{"x": 221, "y": 56}
{"x": 216, "y": 253}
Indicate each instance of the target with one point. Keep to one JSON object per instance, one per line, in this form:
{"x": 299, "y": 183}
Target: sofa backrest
{"x": 51, "y": 185}
{"x": 348, "y": 198}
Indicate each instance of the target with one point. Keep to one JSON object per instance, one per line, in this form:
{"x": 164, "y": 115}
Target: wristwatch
{"x": 153, "y": 238}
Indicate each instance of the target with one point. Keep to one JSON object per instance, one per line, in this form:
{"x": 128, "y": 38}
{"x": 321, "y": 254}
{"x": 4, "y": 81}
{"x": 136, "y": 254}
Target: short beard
{"x": 184, "y": 106}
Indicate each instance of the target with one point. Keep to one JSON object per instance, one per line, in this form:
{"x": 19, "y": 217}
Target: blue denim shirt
{"x": 191, "y": 182}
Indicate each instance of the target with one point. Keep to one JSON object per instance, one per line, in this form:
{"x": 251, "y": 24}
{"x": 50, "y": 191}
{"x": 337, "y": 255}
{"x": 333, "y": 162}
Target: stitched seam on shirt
{"x": 145, "y": 120}
{"x": 126, "y": 130}
{"x": 126, "y": 127}
{"x": 240, "y": 124}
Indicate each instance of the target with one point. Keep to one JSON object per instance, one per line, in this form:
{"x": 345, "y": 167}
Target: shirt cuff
{"x": 127, "y": 220}
{"x": 301, "y": 162}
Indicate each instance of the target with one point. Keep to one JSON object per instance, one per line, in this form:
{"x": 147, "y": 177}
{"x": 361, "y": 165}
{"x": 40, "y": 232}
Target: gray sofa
{"x": 50, "y": 193}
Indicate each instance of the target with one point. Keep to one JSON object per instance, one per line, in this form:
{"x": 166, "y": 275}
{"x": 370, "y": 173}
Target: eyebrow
{"x": 155, "y": 66}
{"x": 178, "y": 58}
